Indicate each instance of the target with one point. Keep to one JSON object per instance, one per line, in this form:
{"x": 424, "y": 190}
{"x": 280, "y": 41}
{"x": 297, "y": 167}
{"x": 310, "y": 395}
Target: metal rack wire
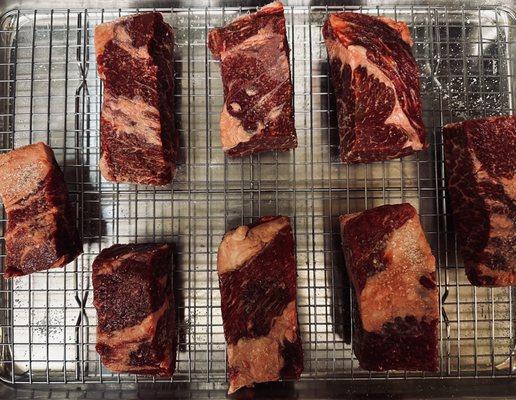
{"x": 50, "y": 91}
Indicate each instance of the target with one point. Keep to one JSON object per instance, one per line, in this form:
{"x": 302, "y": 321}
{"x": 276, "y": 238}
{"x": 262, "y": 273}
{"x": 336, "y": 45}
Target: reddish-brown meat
{"x": 257, "y": 275}
{"x": 257, "y": 114}
{"x": 376, "y": 83}
{"x": 392, "y": 270}
{"x": 135, "y": 59}
{"x": 41, "y": 231}
{"x": 133, "y": 296}
{"x": 481, "y": 169}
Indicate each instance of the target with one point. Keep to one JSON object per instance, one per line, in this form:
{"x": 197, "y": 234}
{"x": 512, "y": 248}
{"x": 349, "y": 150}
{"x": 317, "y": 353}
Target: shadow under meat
{"x": 178, "y": 287}
{"x": 328, "y": 103}
{"x": 340, "y": 286}
{"x": 84, "y": 195}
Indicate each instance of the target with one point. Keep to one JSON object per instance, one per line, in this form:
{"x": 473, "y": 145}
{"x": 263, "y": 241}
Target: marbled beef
{"x": 392, "y": 269}
{"x": 257, "y": 114}
{"x": 135, "y": 62}
{"x": 376, "y": 83}
{"x": 257, "y": 275}
{"x": 41, "y": 231}
{"x": 132, "y": 292}
{"x": 481, "y": 169}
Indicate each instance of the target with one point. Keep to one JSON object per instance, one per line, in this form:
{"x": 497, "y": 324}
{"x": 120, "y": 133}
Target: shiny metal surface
{"x": 49, "y": 91}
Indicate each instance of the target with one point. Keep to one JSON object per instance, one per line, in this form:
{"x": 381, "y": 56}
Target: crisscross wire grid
{"x": 50, "y": 92}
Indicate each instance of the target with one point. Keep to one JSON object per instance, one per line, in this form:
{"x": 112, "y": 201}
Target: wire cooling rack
{"x": 50, "y": 92}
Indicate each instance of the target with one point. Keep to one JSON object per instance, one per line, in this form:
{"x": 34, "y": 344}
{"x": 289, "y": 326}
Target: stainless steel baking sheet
{"x": 49, "y": 91}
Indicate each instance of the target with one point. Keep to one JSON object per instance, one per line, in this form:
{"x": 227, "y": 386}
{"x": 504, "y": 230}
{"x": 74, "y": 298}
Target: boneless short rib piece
{"x": 257, "y": 276}
{"x": 257, "y": 114}
{"x": 481, "y": 169}
{"x": 133, "y": 295}
{"x": 135, "y": 62}
{"x": 392, "y": 269}
{"x": 41, "y": 231}
{"x": 376, "y": 83}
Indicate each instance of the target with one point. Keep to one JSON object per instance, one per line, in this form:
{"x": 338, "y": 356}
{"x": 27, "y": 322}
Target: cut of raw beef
{"x": 376, "y": 83}
{"x": 41, "y": 231}
{"x": 257, "y": 114}
{"x": 257, "y": 276}
{"x": 392, "y": 269}
{"x": 135, "y": 62}
{"x": 133, "y": 295}
{"x": 481, "y": 170}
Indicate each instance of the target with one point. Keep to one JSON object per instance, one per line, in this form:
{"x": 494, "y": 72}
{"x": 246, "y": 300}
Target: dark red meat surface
{"x": 391, "y": 267}
{"x": 135, "y": 59}
{"x": 41, "y": 231}
{"x": 257, "y": 275}
{"x": 135, "y": 308}
{"x": 257, "y": 114}
{"x": 481, "y": 168}
{"x": 376, "y": 84}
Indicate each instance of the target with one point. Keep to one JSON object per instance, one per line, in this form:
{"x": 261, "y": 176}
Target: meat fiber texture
{"x": 481, "y": 170}
{"x": 392, "y": 269}
{"x": 376, "y": 84}
{"x": 257, "y": 276}
{"x": 133, "y": 296}
{"x": 257, "y": 114}
{"x": 135, "y": 59}
{"x": 41, "y": 231}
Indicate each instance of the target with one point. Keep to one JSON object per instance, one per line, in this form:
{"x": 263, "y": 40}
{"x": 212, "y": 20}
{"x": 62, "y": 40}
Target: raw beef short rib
{"x": 133, "y": 295}
{"x": 481, "y": 169}
{"x": 41, "y": 231}
{"x": 392, "y": 269}
{"x": 376, "y": 84}
{"x": 135, "y": 62}
{"x": 257, "y": 276}
{"x": 257, "y": 114}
